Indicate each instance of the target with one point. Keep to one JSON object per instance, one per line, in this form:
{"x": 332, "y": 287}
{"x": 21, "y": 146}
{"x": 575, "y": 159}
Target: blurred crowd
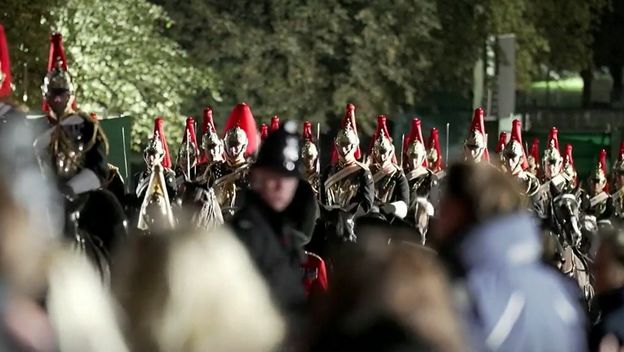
{"x": 481, "y": 285}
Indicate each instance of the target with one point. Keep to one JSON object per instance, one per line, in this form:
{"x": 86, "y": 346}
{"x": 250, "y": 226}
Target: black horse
{"x": 95, "y": 224}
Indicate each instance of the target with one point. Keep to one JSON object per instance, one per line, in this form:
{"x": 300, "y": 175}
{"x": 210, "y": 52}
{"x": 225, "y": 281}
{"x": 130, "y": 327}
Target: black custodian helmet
{"x": 280, "y": 151}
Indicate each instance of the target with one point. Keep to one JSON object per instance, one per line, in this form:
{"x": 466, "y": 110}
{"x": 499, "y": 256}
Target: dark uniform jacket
{"x": 601, "y": 207}
{"x": 421, "y": 185}
{"x": 391, "y": 187}
{"x": 96, "y": 157}
{"x": 275, "y": 244}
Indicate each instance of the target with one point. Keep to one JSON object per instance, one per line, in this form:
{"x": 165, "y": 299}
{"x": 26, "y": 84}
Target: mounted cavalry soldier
{"x": 392, "y": 191}
{"x": 310, "y": 158}
{"x": 188, "y": 154}
{"x": 148, "y": 183}
{"x": 568, "y": 164}
{"x": 434, "y": 154}
{"x": 77, "y": 149}
{"x": 231, "y": 176}
{"x": 562, "y": 206}
{"x": 515, "y": 162}
{"x": 534, "y": 159}
{"x": 197, "y": 202}
{"x": 557, "y": 179}
{"x": 618, "y": 176}
{"x": 421, "y": 180}
{"x": 475, "y": 145}
{"x": 156, "y": 152}
{"x": 500, "y": 148}
{"x": 211, "y": 144}
{"x": 600, "y": 201}
{"x": 346, "y": 189}
{"x": 415, "y": 163}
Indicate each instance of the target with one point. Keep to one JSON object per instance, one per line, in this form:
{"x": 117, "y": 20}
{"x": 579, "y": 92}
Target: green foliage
{"x": 124, "y": 65}
{"x": 27, "y": 26}
{"x": 307, "y": 59}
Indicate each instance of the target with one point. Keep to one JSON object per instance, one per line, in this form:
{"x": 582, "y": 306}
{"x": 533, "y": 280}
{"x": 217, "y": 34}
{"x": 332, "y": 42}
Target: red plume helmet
{"x": 553, "y": 138}
{"x": 478, "y": 125}
{"x": 618, "y": 166}
{"x": 502, "y": 141}
{"x": 516, "y": 137}
{"x": 56, "y": 55}
{"x": 5, "y": 65}
{"x": 208, "y": 126}
{"x": 602, "y": 164}
{"x": 190, "y": 136}
{"x": 568, "y": 158}
{"x": 348, "y": 121}
{"x": 264, "y": 131}
{"x": 382, "y": 128}
{"x": 275, "y": 124}
{"x": 434, "y": 143}
{"x": 241, "y": 116}
{"x": 159, "y": 132}
{"x": 307, "y": 134}
{"x": 535, "y": 150}
{"x": 415, "y": 133}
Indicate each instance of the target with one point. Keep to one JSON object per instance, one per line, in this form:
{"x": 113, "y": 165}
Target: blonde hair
{"x": 195, "y": 292}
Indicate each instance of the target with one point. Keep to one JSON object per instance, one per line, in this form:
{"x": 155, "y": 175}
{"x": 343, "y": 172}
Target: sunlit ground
{"x": 567, "y": 92}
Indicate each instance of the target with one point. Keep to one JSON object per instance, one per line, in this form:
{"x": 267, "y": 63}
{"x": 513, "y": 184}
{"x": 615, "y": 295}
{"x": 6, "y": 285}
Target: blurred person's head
{"x": 23, "y": 254}
{"x": 608, "y": 268}
{"x": 194, "y": 292}
{"x": 275, "y": 175}
{"x": 387, "y": 298}
{"x": 473, "y": 195}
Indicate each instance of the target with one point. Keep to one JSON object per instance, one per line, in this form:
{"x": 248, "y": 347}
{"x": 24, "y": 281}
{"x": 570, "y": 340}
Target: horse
{"x": 199, "y": 206}
{"x": 95, "y": 225}
{"x": 575, "y": 234}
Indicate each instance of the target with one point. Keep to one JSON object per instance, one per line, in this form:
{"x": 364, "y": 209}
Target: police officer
{"x": 277, "y": 217}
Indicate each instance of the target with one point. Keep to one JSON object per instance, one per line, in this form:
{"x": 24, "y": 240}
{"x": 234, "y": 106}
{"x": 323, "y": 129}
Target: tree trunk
{"x": 616, "y": 74}
{"x": 587, "y": 86}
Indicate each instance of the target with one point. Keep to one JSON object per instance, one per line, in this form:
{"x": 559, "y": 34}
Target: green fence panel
{"x": 117, "y": 131}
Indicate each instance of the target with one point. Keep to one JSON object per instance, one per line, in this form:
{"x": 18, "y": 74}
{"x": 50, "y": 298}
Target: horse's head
{"x": 567, "y": 216}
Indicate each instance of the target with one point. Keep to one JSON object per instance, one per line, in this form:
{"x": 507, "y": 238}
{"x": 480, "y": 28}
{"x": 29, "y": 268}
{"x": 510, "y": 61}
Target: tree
{"x": 307, "y": 59}
{"x": 123, "y": 64}
{"x": 27, "y": 26}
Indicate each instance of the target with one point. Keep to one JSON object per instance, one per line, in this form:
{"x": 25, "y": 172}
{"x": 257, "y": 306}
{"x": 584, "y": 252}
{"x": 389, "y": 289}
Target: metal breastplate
{"x": 340, "y": 193}
{"x": 228, "y": 183}
{"x": 68, "y": 147}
